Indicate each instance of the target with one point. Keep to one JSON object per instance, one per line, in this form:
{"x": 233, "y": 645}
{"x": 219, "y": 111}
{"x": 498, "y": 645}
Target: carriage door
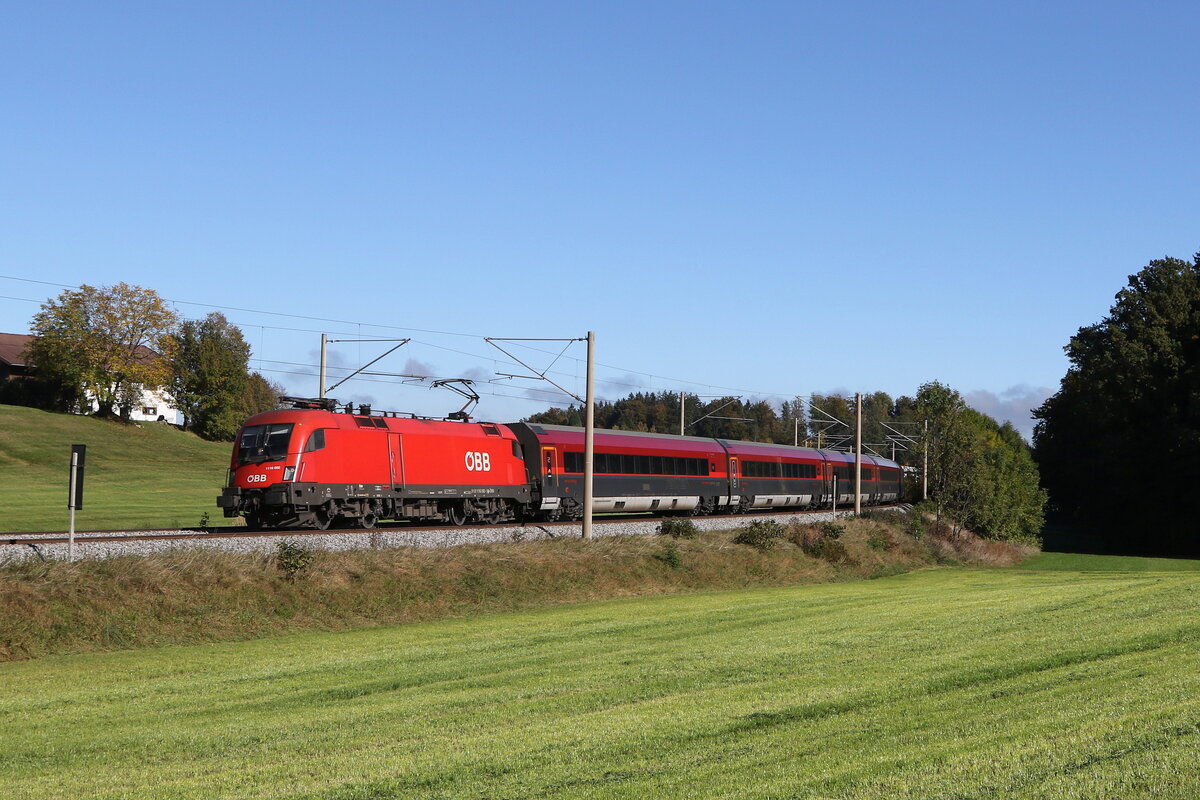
{"x": 395, "y": 459}
{"x": 733, "y": 477}
{"x": 548, "y": 454}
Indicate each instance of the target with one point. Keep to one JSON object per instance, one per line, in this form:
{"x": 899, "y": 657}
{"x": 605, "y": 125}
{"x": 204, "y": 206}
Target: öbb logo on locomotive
{"x": 478, "y": 462}
{"x": 317, "y": 466}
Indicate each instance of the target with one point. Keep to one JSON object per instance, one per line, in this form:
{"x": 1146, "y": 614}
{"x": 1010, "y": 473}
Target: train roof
{"x": 552, "y": 434}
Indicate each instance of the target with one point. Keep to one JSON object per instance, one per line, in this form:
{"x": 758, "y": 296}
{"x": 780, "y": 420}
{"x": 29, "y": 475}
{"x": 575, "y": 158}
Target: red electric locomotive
{"x": 313, "y": 467}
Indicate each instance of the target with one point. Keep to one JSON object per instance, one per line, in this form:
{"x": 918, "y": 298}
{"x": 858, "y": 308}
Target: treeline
{"x": 981, "y": 473}
{"x": 1119, "y": 443}
{"x": 103, "y": 346}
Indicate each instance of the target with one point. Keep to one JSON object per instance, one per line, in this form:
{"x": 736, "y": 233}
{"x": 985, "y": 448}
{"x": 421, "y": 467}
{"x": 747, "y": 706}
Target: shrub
{"x": 831, "y": 528}
{"x": 292, "y": 559}
{"x": 878, "y": 539}
{"x": 679, "y": 527}
{"x": 833, "y": 551}
{"x": 761, "y": 535}
{"x": 670, "y": 555}
{"x": 820, "y": 540}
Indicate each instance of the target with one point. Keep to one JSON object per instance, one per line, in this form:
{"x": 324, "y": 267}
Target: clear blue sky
{"x": 774, "y": 198}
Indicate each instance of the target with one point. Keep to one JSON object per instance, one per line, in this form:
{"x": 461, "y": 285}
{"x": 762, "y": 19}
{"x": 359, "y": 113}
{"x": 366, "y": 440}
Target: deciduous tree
{"x": 111, "y": 342}
{"x": 212, "y": 384}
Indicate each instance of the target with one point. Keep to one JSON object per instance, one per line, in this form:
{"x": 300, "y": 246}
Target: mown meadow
{"x": 1064, "y": 677}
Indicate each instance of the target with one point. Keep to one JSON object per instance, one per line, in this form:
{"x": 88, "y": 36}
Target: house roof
{"x": 12, "y": 346}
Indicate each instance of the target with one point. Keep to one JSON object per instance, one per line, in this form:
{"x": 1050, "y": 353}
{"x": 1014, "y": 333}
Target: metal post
{"x": 834, "y": 491}
{"x": 858, "y": 445}
{"x": 681, "y": 396}
{"x": 321, "y": 388}
{"x": 589, "y": 435}
{"x": 925, "y": 466}
{"x": 796, "y": 432}
{"x": 71, "y": 535}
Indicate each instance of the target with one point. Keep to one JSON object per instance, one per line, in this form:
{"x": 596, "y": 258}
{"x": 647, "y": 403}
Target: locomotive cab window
{"x": 260, "y": 443}
{"x": 316, "y": 441}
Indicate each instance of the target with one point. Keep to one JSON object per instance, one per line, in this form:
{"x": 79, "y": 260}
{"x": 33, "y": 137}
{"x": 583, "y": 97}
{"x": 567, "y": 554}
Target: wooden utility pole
{"x": 589, "y": 434}
{"x": 858, "y": 444}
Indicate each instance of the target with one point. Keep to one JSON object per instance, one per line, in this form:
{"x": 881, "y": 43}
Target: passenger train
{"x": 318, "y": 466}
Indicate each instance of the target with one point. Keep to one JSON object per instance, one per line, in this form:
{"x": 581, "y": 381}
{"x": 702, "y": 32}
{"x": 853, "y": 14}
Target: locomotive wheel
{"x": 455, "y": 515}
{"x": 368, "y": 520}
{"x": 322, "y": 519}
{"x": 254, "y": 522}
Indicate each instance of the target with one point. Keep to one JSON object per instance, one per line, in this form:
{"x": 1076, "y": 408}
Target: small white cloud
{"x": 1014, "y": 405}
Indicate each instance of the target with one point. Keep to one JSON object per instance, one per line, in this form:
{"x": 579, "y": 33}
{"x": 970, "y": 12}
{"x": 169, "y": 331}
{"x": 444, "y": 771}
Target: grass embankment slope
{"x": 190, "y": 596}
{"x": 153, "y": 476}
{"x": 1052, "y": 682}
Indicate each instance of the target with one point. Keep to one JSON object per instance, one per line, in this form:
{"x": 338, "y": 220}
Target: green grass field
{"x": 1069, "y": 677}
{"x": 135, "y": 477}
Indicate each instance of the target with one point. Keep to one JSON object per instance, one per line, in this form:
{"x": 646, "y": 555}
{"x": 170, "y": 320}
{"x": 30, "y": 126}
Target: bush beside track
{"x": 191, "y": 596}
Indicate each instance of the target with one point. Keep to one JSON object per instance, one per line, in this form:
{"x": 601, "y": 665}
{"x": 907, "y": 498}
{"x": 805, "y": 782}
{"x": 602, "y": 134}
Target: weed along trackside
{"x": 1056, "y": 682}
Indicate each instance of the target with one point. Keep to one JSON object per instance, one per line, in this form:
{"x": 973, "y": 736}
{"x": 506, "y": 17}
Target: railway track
{"x": 184, "y": 535}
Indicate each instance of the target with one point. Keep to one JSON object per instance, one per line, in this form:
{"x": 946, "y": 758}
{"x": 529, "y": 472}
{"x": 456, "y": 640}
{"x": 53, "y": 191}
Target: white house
{"x": 152, "y": 406}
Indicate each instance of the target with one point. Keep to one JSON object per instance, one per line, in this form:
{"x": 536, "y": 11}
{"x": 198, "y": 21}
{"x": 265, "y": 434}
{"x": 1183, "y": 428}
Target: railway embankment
{"x": 193, "y": 595}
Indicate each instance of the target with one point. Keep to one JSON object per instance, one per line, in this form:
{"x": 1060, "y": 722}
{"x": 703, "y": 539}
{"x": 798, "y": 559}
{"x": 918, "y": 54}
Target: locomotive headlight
{"x": 289, "y": 473}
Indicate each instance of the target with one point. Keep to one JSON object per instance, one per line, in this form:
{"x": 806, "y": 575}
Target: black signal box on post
{"x": 78, "y": 452}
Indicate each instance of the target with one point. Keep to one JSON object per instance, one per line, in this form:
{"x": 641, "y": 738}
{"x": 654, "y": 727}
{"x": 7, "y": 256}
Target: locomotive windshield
{"x": 259, "y": 443}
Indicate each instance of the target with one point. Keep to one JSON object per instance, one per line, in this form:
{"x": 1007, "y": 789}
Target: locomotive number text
{"x": 478, "y": 462}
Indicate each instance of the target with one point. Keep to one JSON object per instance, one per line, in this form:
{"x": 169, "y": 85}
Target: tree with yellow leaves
{"x": 105, "y": 343}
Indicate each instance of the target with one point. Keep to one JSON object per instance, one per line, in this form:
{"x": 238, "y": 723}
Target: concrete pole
{"x": 857, "y": 453}
{"x": 589, "y": 432}
{"x": 682, "y": 395}
{"x": 321, "y": 388}
{"x": 925, "y": 466}
{"x": 796, "y": 432}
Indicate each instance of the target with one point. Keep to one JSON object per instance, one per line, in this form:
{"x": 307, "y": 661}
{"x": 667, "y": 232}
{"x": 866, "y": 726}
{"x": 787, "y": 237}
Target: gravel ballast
{"x": 12, "y": 550}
